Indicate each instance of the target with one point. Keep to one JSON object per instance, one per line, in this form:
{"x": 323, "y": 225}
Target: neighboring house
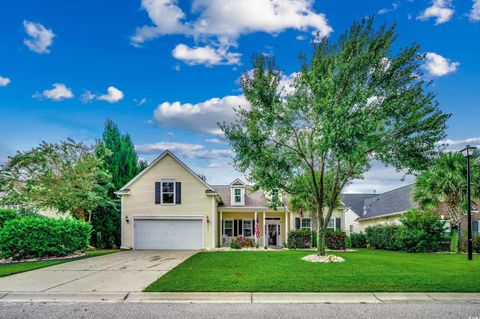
{"x": 43, "y": 212}
{"x": 365, "y": 210}
{"x": 168, "y": 206}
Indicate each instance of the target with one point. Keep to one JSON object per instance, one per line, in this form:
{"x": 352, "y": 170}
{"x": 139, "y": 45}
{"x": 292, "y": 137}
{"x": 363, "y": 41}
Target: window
{"x": 238, "y": 195}
{"x": 228, "y": 228}
{"x": 331, "y": 223}
{"x": 351, "y": 229}
{"x": 305, "y": 223}
{"x": 247, "y": 228}
{"x": 168, "y": 192}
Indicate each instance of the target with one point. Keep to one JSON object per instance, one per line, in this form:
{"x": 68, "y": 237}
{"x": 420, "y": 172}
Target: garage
{"x": 168, "y": 233}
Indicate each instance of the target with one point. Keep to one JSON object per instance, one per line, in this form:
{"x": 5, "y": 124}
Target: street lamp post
{"x": 467, "y": 152}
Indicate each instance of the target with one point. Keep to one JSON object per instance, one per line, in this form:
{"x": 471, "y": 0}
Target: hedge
{"x": 304, "y": 238}
{"x": 7, "y": 214}
{"x": 301, "y": 238}
{"x": 358, "y": 240}
{"x": 382, "y": 236}
{"x": 34, "y": 237}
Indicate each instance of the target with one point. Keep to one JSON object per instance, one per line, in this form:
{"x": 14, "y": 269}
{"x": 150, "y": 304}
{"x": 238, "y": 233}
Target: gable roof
{"x": 153, "y": 163}
{"x": 389, "y": 203}
{"x": 356, "y": 202}
{"x": 252, "y": 199}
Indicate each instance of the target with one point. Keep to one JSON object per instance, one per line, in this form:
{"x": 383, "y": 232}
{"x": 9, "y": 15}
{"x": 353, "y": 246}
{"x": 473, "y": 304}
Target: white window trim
{"x": 242, "y": 196}
{"x": 232, "y": 228}
{"x": 251, "y": 227}
{"x": 174, "y": 192}
{"x": 301, "y": 223}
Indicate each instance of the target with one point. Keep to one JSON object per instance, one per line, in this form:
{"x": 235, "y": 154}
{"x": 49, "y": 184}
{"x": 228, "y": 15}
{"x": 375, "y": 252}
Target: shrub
{"x": 382, "y": 236}
{"x": 235, "y": 245}
{"x": 244, "y": 241}
{"x": 7, "y": 214}
{"x": 34, "y": 237}
{"x": 336, "y": 239}
{"x": 476, "y": 244}
{"x": 420, "y": 232}
{"x": 359, "y": 240}
{"x": 106, "y": 227}
{"x": 301, "y": 238}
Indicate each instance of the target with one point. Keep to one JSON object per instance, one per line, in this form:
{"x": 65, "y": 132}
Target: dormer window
{"x": 237, "y": 188}
{"x": 237, "y": 195}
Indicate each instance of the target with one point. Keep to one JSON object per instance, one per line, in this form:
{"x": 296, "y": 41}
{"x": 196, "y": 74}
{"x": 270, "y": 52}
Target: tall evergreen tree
{"x": 121, "y": 161}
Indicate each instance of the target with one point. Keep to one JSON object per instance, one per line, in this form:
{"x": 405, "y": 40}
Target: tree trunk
{"x": 454, "y": 240}
{"x": 80, "y": 213}
{"x": 320, "y": 241}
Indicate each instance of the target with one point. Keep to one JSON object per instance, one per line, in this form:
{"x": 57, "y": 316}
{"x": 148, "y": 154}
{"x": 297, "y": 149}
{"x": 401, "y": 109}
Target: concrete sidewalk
{"x": 239, "y": 297}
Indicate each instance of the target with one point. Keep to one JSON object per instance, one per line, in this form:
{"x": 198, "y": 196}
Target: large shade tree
{"x": 352, "y": 102}
{"x": 444, "y": 182}
{"x": 66, "y": 177}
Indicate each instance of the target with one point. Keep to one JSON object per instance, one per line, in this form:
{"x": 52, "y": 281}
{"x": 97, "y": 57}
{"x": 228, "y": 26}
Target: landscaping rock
{"x": 323, "y": 259}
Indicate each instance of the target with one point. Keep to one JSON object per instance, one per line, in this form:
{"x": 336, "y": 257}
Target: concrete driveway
{"x": 120, "y": 272}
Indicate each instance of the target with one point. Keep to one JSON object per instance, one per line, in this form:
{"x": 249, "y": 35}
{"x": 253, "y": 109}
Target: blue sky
{"x": 166, "y": 71}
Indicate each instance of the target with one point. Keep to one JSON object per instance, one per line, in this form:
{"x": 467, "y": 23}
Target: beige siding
{"x": 141, "y": 200}
{"x": 390, "y": 220}
{"x": 351, "y": 219}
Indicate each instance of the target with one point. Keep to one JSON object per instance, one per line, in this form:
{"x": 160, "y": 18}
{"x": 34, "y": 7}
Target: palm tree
{"x": 445, "y": 183}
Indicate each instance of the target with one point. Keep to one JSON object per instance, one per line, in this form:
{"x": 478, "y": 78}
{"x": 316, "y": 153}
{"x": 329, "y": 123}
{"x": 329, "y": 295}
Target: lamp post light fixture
{"x": 467, "y": 152}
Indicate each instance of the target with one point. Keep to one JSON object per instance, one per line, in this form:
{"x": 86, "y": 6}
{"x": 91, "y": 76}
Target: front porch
{"x": 264, "y": 228}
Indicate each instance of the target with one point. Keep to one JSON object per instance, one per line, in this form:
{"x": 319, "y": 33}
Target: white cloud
{"x": 219, "y": 23}
{"x": 200, "y": 117}
{"x": 394, "y": 7}
{"x": 4, "y": 81}
{"x": 87, "y": 97}
{"x": 58, "y": 93}
{"x": 470, "y": 140}
{"x": 205, "y": 55}
{"x": 40, "y": 38}
{"x": 113, "y": 95}
{"x": 214, "y": 165}
{"x": 437, "y": 65}
{"x": 441, "y": 10}
{"x": 169, "y": 135}
{"x": 188, "y": 150}
{"x": 141, "y": 101}
{"x": 216, "y": 140}
{"x": 474, "y": 14}
{"x": 301, "y": 37}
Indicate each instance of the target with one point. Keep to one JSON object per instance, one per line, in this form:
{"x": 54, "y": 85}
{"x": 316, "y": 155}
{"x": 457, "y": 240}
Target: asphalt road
{"x": 194, "y": 311}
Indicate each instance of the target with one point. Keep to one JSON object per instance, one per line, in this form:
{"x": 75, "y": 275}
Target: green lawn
{"x": 365, "y": 270}
{"x": 15, "y": 268}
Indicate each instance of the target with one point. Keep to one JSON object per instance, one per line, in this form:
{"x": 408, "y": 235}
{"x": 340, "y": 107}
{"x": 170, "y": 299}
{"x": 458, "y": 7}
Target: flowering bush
{"x": 336, "y": 239}
{"x": 244, "y": 241}
{"x": 301, "y": 238}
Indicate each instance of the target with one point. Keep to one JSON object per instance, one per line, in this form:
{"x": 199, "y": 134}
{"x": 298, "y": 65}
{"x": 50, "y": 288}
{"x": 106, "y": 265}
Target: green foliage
{"x": 476, "y": 244}
{"x": 33, "y": 237}
{"x": 420, "y": 232}
{"x": 336, "y": 239}
{"x": 243, "y": 241}
{"x": 445, "y": 182}
{"x": 121, "y": 161}
{"x": 298, "y": 239}
{"x": 235, "y": 245}
{"x": 353, "y": 101}
{"x": 359, "y": 240}
{"x": 382, "y": 236}
{"x": 66, "y": 177}
{"x": 7, "y": 214}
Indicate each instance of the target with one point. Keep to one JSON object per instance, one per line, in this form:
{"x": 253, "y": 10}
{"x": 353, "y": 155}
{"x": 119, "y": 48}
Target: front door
{"x": 272, "y": 234}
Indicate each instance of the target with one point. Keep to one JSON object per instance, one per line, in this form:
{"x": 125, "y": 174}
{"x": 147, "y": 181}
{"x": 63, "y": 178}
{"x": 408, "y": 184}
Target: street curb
{"x": 239, "y": 297}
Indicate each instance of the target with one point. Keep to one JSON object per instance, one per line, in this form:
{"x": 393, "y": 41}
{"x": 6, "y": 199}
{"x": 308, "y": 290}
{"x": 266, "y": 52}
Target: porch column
{"x": 220, "y": 232}
{"x": 286, "y": 227}
{"x": 254, "y": 232}
{"x": 264, "y": 230}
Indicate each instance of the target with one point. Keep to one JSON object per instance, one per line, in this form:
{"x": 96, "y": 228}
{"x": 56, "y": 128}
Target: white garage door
{"x": 168, "y": 234}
